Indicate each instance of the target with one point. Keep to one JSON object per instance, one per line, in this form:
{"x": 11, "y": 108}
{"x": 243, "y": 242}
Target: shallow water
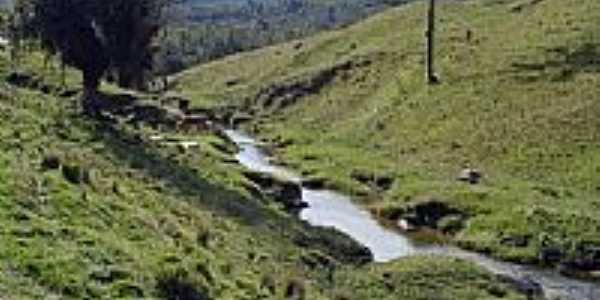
{"x": 332, "y": 209}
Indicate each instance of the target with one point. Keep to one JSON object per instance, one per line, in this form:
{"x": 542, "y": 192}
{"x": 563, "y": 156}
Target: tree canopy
{"x": 100, "y": 38}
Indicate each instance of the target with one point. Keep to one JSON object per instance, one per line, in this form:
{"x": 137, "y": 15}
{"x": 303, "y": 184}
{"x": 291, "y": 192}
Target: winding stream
{"x": 332, "y": 209}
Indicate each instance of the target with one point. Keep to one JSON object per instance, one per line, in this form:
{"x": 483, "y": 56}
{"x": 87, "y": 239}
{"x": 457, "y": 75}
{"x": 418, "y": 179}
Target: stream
{"x": 328, "y": 208}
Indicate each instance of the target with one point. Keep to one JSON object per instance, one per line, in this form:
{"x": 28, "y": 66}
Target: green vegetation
{"x": 437, "y": 282}
{"x": 518, "y": 100}
{"x": 119, "y": 33}
{"x": 95, "y": 209}
{"x": 203, "y": 30}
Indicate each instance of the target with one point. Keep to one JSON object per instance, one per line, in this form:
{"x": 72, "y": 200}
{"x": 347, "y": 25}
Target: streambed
{"x": 328, "y": 208}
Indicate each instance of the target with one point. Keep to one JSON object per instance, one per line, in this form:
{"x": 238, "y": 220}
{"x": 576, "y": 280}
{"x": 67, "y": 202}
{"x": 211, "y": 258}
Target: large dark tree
{"x": 101, "y": 37}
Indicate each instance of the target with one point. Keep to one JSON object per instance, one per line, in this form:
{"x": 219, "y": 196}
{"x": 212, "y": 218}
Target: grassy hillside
{"x": 518, "y": 101}
{"x": 94, "y": 209}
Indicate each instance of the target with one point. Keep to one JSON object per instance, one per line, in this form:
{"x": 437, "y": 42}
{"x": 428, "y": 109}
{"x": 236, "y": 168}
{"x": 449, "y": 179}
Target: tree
{"x": 101, "y": 37}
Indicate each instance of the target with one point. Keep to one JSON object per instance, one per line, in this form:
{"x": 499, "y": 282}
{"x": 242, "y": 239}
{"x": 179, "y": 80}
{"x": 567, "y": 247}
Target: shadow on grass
{"x": 563, "y": 66}
{"x": 186, "y": 181}
{"x": 176, "y": 288}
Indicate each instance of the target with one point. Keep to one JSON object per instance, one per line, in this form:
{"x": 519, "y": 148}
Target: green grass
{"x": 437, "y": 281}
{"x": 519, "y": 102}
{"x": 117, "y": 236}
{"x": 134, "y": 220}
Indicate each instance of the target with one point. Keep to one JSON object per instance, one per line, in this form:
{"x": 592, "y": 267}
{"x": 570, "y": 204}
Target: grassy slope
{"x": 149, "y": 217}
{"x": 146, "y": 214}
{"x": 519, "y": 102}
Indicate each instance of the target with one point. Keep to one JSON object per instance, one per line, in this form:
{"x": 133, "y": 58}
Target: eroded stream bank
{"x": 326, "y": 208}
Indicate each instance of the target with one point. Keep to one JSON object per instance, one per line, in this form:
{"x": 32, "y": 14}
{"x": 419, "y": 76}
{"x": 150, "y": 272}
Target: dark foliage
{"x": 175, "y": 287}
{"x": 203, "y": 30}
{"x": 98, "y": 37}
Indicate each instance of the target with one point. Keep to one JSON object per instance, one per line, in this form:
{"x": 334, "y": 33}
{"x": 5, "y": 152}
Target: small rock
{"x": 185, "y": 145}
{"x": 455, "y": 146}
{"x": 314, "y": 183}
{"x": 184, "y": 105}
{"x": 518, "y": 241}
{"x": 176, "y": 287}
{"x": 200, "y": 123}
{"x": 281, "y": 190}
{"x": 581, "y": 264}
{"x": 68, "y": 93}
{"x": 51, "y": 162}
{"x": 156, "y": 138}
{"x": 46, "y": 88}
{"x": 22, "y": 79}
{"x": 406, "y": 225}
{"x": 550, "y": 255}
{"x": 384, "y": 183}
{"x": 116, "y": 188}
{"x": 290, "y": 194}
{"x": 239, "y": 118}
{"x": 525, "y": 285}
{"x": 295, "y": 290}
{"x": 472, "y": 176}
{"x": 429, "y": 213}
{"x": 73, "y": 174}
{"x": 232, "y": 82}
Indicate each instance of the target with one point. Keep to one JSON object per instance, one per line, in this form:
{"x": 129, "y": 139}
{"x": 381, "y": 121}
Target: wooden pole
{"x": 430, "y": 75}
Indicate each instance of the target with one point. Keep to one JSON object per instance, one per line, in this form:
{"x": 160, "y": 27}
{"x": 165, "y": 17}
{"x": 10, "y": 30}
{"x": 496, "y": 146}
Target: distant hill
{"x": 202, "y": 30}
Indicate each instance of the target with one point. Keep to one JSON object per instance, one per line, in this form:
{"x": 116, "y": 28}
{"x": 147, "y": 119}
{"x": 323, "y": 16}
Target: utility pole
{"x": 430, "y": 75}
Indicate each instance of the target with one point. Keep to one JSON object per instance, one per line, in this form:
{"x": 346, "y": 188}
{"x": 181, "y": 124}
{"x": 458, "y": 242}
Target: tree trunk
{"x": 430, "y": 75}
{"x": 165, "y": 83}
{"x": 63, "y": 73}
{"x": 131, "y": 76}
{"x": 91, "y": 82}
{"x": 125, "y": 77}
